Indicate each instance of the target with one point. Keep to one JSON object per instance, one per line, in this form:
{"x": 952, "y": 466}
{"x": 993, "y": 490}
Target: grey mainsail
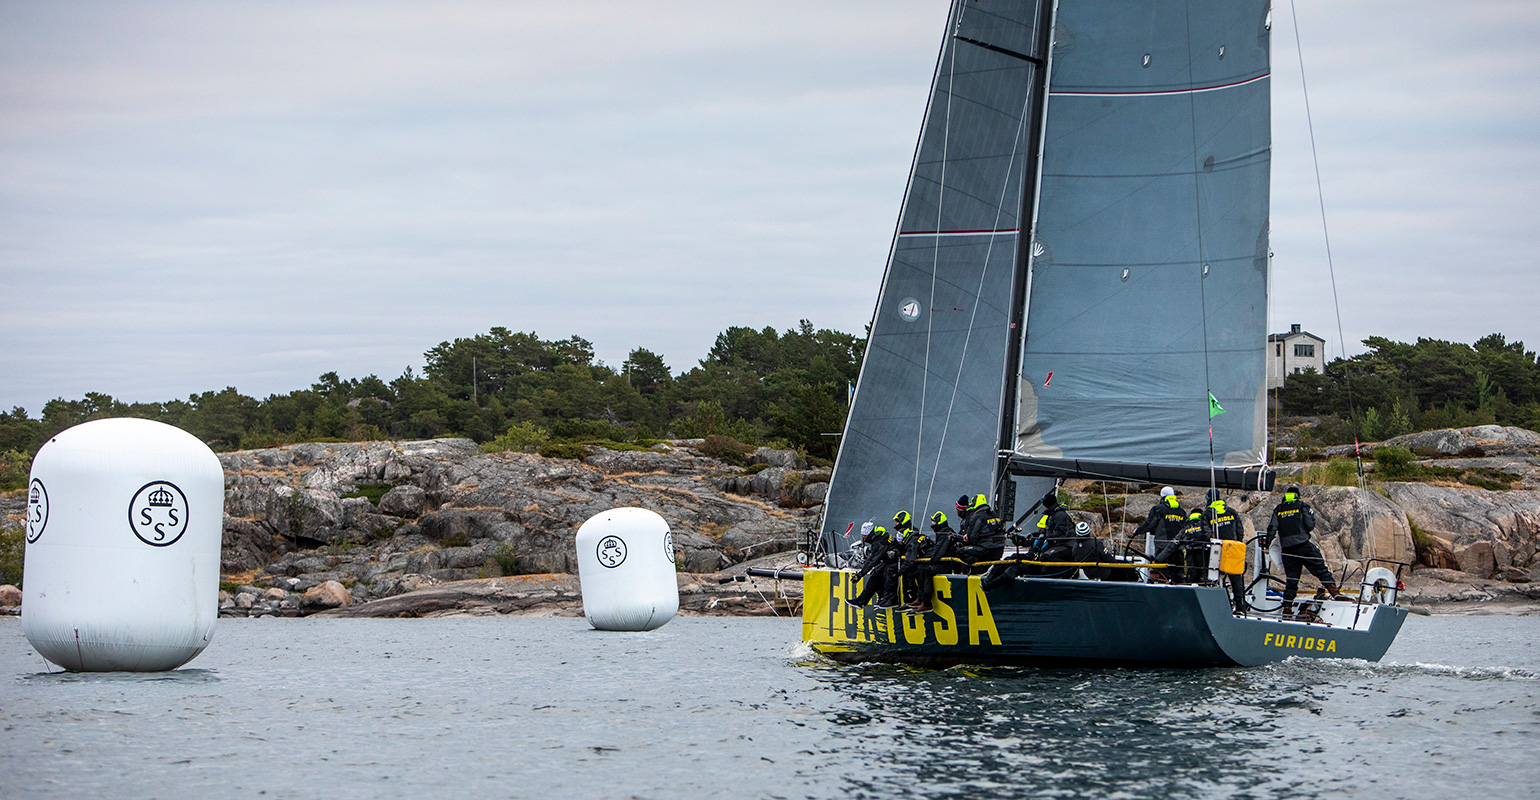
{"x": 924, "y": 424}
{"x": 1149, "y": 276}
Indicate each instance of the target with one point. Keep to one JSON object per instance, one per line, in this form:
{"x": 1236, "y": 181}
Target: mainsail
{"x": 1142, "y": 189}
{"x": 1149, "y": 275}
{"x": 925, "y": 421}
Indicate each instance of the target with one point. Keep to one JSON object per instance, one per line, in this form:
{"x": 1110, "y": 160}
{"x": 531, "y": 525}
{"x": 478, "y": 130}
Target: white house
{"x": 1292, "y": 352}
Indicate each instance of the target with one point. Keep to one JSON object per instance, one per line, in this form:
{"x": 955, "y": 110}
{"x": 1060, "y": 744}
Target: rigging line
{"x": 935, "y": 265}
{"x": 1197, "y": 197}
{"x": 1331, "y": 268}
{"x": 979, "y": 293}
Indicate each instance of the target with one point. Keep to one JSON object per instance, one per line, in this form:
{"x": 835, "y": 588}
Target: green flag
{"x": 1214, "y": 408}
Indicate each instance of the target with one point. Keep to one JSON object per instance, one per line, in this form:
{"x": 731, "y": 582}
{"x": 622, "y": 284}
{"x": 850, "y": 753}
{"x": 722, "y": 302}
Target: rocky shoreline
{"x": 436, "y": 528}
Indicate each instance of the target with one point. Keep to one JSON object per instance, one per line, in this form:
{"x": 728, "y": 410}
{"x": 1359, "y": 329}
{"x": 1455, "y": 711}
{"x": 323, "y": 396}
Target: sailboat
{"x": 1077, "y": 289}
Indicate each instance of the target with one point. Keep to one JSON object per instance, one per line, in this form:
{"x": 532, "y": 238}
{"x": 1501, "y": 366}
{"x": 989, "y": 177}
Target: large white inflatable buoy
{"x": 626, "y": 568}
{"x": 124, "y": 518}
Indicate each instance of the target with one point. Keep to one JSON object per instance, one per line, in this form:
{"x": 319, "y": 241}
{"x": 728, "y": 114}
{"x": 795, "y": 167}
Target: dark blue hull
{"x": 1051, "y": 622}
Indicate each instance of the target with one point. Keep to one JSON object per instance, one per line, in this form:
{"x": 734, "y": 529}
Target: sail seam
{"x": 999, "y": 232}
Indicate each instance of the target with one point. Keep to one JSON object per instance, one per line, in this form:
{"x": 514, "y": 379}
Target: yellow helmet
{"x": 902, "y": 519}
{"x": 979, "y": 501}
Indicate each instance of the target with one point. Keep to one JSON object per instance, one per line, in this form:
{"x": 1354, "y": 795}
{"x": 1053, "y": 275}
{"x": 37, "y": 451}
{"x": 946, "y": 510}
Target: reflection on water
{"x": 178, "y": 676}
{"x": 1061, "y": 733}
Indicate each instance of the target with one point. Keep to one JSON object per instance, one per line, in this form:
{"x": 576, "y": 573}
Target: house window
{"x": 1306, "y": 350}
{"x": 1280, "y": 350}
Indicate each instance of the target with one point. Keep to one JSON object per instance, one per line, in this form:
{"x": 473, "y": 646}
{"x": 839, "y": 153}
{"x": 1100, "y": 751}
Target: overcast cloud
{"x": 202, "y": 194}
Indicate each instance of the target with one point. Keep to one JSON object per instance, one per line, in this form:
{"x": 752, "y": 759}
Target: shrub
{"x": 521, "y": 437}
{"x": 15, "y": 468}
{"x": 1336, "y": 472}
{"x": 13, "y": 545}
{"x": 372, "y": 491}
{"x": 1490, "y": 479}
{"x": 507, "y": 559}
{"x": 1395, "y": 464}
{"x": 562, "y": 450}
{"x": 724, "y": 448}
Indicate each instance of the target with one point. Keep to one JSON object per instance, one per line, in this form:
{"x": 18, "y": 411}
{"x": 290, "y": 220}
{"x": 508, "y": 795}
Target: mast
{"x": 1042, "y": 52}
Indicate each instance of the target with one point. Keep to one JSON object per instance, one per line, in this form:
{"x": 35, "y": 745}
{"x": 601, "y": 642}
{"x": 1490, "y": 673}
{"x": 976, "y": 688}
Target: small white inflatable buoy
{"x": 626, "y": 568}
{"x": 124, "y": 518}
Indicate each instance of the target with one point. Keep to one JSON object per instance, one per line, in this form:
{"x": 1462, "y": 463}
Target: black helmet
{"x": 1051, "y": 500}
{"x": 1293, "y": 489}
{"x": 1213, "y": 494}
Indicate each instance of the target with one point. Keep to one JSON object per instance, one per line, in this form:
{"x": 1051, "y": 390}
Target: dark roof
{"x": 1279, "y": 337}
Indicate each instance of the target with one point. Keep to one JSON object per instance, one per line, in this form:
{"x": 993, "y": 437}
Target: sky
{"x": 196, "y": 195}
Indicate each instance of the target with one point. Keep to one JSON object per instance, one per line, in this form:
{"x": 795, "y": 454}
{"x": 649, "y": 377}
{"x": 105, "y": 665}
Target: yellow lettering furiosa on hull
{"x": 1319, "y": 644}
{"x": 830, "y": 620}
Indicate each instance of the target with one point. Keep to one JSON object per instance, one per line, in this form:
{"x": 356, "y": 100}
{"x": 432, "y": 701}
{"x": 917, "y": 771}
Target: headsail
{"x": 924, "y": 424}
{"x": 1149, "y": 269}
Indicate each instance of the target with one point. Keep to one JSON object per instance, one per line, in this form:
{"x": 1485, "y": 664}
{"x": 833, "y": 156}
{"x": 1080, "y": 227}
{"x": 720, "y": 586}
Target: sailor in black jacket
{"x": 983, "y": 533}
{"x": 1226, "y": 524}
{"x": 1166, "y": 520}
{"x": 914, "y": 569}
{"x": 1186, "y": 553}
{"x": 882, "y": 556}
{"x": 1292, "y": 522}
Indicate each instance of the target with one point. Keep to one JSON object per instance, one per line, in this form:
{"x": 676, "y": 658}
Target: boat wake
{"x": 1353, "y": 667}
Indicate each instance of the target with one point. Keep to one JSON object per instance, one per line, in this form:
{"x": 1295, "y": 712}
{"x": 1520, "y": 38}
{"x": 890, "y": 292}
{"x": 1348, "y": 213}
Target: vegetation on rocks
{"x": 1397, "y": 388}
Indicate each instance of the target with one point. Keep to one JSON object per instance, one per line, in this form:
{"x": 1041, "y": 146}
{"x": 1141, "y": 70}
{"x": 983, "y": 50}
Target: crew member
{"x": 1166, "y": 520}
{"x": 903, "y": 535}
{"x": 881, "y": 565}
{"x": 1085, "y": 548}
{"x": 947, "y": 540}
{"x": 1292, "y": 522}
{"x": 1057, "y": 530}
{"x": 915, "y": 569}
{"x": 982, "y": 535}
{"x": 1185, "y": 552}
{"x": 1224, "y": 524}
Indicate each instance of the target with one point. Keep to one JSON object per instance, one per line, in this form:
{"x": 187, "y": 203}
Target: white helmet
{"x": 1167, "y": 492}
{"x": 1082, "y": 529}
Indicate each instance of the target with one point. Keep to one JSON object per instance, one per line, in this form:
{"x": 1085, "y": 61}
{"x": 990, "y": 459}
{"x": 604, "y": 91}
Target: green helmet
{"x": 902, "y": 519}
{"x": 938, "y": 519}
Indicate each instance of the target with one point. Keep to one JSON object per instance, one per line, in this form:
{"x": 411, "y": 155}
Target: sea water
{"x": 712, "y": 707}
